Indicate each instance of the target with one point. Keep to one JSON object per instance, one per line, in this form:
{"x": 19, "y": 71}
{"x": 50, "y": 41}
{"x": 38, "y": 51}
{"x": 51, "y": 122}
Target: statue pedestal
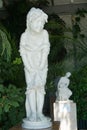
{"x": 36, "y": 125}
{"x": 55, "y": 126}
{"x": 65, "y": 112}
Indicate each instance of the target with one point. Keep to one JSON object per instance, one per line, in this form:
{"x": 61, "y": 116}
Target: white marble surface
{"x": 50, "y": 128}
{"x": 34, "y": 50}
{"x": 36, "y": 125}
{"x": 65, "y": 112}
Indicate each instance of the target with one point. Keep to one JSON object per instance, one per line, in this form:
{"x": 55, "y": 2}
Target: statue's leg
{"x": 40, "y": 102}
{"x": 32, "y": 102}
{"x": 27, "y": 106}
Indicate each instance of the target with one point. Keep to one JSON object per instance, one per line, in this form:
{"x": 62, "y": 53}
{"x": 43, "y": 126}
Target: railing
{"x": 63, "y": 2}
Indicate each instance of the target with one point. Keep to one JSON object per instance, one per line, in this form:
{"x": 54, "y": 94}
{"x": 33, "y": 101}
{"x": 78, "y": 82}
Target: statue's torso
{"x": 35, "y": 43}
{"x": 33, "y": 46}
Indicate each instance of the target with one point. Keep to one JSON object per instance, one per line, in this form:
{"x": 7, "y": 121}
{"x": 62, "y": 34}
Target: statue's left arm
{"x": 45, "y": 50}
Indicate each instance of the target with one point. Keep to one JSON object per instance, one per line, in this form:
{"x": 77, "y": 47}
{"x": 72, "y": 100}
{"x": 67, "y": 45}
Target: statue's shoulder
{"x": 23, "y": 35}
{"x": 23, "y": 38}
{"x": 45, "y": 32}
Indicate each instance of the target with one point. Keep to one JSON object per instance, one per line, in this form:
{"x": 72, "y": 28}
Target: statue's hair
{"x": 35, "y": 13}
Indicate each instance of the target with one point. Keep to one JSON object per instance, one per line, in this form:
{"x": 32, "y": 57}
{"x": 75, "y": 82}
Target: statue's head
{"x": 68, "y": 74}
{"x": 36, "y": 19}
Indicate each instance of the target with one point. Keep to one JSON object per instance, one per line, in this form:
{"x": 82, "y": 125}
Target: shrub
{"x": 11, "y": 100}
{"x": 78, "y": 86}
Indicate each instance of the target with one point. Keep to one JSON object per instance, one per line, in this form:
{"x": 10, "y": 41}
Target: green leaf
{"x": 1, "y": 88}
{"x": 17, "y": 61}
{"x": 6, "y": 108}
{"x": 20, "y": 98}
{"x": 6, "y": 47}
{"x": 0, "y": 110}
{"x": 14, "y": 103}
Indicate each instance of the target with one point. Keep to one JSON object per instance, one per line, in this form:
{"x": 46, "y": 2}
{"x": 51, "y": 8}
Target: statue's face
{"x": 37, "y": 25}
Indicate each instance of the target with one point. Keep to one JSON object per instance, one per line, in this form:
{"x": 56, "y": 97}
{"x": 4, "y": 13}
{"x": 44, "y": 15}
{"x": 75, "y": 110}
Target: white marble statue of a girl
{"x": 34, "y": 50}
{"x": 63, "y": 92}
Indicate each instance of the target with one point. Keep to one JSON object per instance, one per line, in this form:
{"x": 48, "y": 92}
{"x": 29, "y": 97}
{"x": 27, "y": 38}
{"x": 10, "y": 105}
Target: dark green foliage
{"x": 76, "y": 30}
{"x": 11, "y": 98}
{"x": 78, "y": 86}
{"x": 41, "y": 3}
{"x": 10, "y": 73}
{"x": 81, "y": 12}
{"x": 17, "y": 10}
{"x": 76, "y": 42}
{"x": 56, "y": 27}
{"x": 54, "y": 70}
{"x": 5, "y": 46}
{"x": 10, "y": 64}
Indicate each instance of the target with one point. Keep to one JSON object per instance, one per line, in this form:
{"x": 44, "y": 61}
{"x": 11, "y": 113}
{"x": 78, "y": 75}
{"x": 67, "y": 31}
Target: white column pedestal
{"x": 36, "y": 125}
{"x": 65, "y": 112}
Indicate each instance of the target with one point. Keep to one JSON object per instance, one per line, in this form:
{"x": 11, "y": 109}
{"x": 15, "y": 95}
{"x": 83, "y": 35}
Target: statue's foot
{"x": 41, "y": 117}
{"x": 32, "y": 117}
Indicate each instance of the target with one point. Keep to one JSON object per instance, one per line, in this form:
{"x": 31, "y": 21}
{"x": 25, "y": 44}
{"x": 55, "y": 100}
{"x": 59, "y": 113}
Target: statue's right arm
{"x": 22, "y": 51}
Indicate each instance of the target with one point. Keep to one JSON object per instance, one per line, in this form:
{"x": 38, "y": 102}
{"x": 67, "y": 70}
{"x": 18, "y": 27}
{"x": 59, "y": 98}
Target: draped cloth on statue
{"x": 33, "y": 47}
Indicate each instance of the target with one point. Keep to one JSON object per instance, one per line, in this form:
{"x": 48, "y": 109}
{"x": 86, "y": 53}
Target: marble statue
{"x": 34, "y": 50}
{"x": 65, "y": 109}
{"x": 63, "y": 92}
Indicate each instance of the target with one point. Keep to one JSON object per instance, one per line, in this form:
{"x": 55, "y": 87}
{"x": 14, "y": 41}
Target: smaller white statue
{"x": 63, "y": 92}
{"x": 65, "y": 109}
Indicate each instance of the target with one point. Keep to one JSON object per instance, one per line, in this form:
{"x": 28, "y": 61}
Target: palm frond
{"x": 6, "y": 46}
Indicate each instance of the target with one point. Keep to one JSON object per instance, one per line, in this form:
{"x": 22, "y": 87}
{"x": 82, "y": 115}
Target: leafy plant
{"x": 10, "y": 98}
{"x": 55, "y": 27}
{"x": 55, "y": 70}
{"x": 78, "y": 86}
{"x": 5, "y": 46}
{"x": 10, "y": 64}
{"x": 76, "y": 45}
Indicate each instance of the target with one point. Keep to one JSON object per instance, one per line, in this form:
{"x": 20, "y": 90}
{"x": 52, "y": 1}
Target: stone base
{"x": 36, "y": 125}
{"x": 68, "y": 121}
